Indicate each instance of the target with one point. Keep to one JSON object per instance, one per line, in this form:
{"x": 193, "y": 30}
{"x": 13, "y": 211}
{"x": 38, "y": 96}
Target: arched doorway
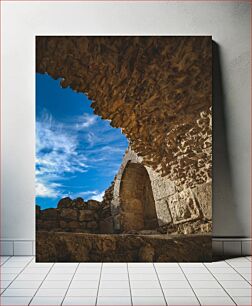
{"x": 137, "y": 204}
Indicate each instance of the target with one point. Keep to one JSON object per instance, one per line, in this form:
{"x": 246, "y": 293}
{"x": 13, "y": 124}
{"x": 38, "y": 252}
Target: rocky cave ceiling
{"x": 157, "y": 89}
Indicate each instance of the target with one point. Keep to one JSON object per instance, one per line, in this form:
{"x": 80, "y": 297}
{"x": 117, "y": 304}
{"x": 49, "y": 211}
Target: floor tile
{"x": 165, "y": 264}
{"x": 191, "y": 264}
{"x": 62, "y": 270}
{"x": 66, "y": 265}
{"x": 40, "y": 264}
{"x": 104, "y": 300}
{"x": 19, "y": 292}
{"x": 241, "y": 264}
{"x": 175, "y": 284}
{"x": 172, "y": 276}
{"x": 115, "y": 270}
{"x": 9, "y": 270}
{"x": 140, "y": 264}
{"x": 86, "y": 284}
{"x": 15, "y": 300}
{"x": 216, "y": 264}
{"x": 144, "y": 284}
{"x": 4, "y": 259}
{"x": 5, "y": 283}
{"x": 220, "y": 270}
{"x": 209, "y": 292}
{"x": 21, "y": 258}
{"x": 148, "y": 269}
{"x": 235, "y": 284}
{"x": 79, "y": 301}
{"x": 30, "y": 276}
{"x": 236, "y": 259}
{"x": 14, "y": 264}
{"x": 178, "y": 292}
{"x": 55, "y": 284}
{"x": 248, "y": 277}
{"x": 8, "y": 276}
{"x": 114, "y": 292}
{"x": 143, "y": 276}
{"x": 91, "y": 277}
{"x": 239, "y": 291}
{"x": 195, "y": 270}
{"x": 51, "y": 292}
{"x": 25, "y": 284}
{"x": 59, "y": 277}
{"x": 82, "y": 292}
{"x": 169, "y": 270}
{"x": 229, "y": 276}
{"x": 146, "y": 292}
{"x": 43, "y": 271}
{"x": 243, "y": 300}
{"x": 47, "y": 300}
{"x": 88, "y": 270}
{"x": 114, "y": 264}
{"x": 200, "y": 276}
{"x": 221, "y": 300}
{"x": 143, "y": 300}
{"x": 180, "y": 300}
{"x": 243, "y": 269}
{"x": 114, "y": 284}
{"x": 121, "y": 276}
{"x": 204, "y": 284}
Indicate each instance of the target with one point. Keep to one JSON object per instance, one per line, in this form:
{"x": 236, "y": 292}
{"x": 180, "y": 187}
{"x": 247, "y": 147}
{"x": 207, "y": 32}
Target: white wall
{"x": 227, "y": 22}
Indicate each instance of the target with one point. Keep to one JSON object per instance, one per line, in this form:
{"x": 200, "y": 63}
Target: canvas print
{"x": 123, "y": 148}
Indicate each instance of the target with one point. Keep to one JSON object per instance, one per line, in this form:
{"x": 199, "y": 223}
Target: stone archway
{"x": 137, "y": 205}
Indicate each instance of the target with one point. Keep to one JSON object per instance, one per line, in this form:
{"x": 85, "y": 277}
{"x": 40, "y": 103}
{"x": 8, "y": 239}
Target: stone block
{"x": 92, "y": 225}
{"x": 92, "y": 204}
{"x": 86, "y": 215}
{"x": 106, "y": 226}
{"x": 83, "y": 225}
{"x": 65, "y": 203}
{"x": 50, "y": 224}
{"x": 183, "y": 207}
{"x": 163, "y": 213}
{"x": 73, "y": 224}
{"x": 203, "y": 194}
{"x": 69, "y": 213}
{"x": 79, "y": 203}
{"x": 49, "y": 214}
{"x": 162, "y": 187}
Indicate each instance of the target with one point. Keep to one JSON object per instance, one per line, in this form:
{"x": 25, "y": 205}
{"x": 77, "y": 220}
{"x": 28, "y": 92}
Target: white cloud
{"x": 78, "y": 145}
{"x": 45, "y": 191}
{"x": 98, "y": 197}
{"x": 56, "y": 155}
{"x": 56, "y": 150}
{"x": 85, "y": 121}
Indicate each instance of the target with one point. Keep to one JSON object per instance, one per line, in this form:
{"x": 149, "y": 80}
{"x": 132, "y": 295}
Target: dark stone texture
{"x": 71, "y": 247}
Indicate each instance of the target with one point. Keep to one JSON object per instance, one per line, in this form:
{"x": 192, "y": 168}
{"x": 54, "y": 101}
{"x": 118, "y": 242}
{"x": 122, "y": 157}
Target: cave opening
{"x": 138, "y": 210}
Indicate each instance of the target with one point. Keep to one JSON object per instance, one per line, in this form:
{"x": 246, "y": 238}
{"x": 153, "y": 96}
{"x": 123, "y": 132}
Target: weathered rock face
{"x": 70, "y": 216}
{"x": 176, "y": 211}
{"x": 54, "y": 247}
{"x": 157, "y": 89}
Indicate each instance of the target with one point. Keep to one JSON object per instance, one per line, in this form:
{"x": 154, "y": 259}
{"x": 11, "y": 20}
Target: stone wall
{"x": 70, "y": 216}
{"x": 158, "y": 90}
{"x": 78, "y": 247}
{"x": 178, "y": 211}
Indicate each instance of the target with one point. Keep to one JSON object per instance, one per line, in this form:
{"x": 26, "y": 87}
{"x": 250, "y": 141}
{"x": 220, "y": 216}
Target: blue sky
{"x": 77, "y": 153}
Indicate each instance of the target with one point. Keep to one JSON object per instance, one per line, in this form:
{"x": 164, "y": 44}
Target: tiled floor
{"x": 24, "y": 282}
